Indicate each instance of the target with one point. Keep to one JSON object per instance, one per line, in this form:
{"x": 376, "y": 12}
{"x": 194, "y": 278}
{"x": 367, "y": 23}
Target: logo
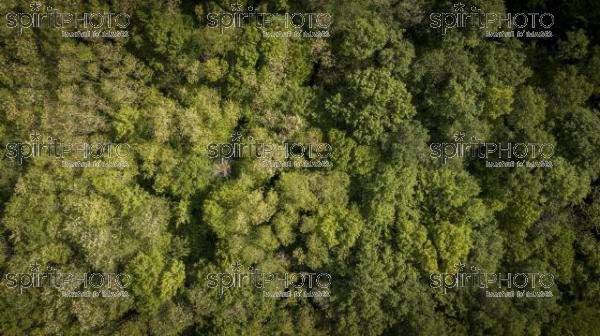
{"x": 282, "y": 285}
{"x": 49, "y": 17}
{"x": 477, "y": 148}
{"x": 316, "y": 23}
{"x": 460, "y": 18}
{"x": 272, "y": 155}
{"x": 93, "y": 284}
{"x": 507, "y": 285}
{"x": 19, "y": 152}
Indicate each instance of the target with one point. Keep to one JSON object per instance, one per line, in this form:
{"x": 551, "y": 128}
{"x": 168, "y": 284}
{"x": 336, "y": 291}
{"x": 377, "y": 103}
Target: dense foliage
{"x": 383, "y": 217}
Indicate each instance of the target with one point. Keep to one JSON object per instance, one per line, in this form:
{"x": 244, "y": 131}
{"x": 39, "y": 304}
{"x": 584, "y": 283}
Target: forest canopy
{"x": 190, "y": 141}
